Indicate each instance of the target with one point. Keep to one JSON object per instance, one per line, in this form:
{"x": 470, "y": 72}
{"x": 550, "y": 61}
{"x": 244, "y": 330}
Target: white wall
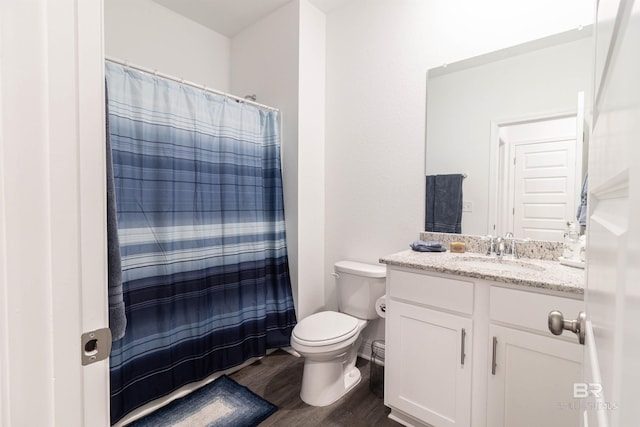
{"x": 378, "y": 53}
{"x": 147, "y": 34}
{"x": 461, "y": 106}
{"x": 281, "y": 59}
{"x": 311, "y": 159}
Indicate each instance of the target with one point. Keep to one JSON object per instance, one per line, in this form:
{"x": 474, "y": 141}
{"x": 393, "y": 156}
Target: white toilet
{"x": 329, "y": 340}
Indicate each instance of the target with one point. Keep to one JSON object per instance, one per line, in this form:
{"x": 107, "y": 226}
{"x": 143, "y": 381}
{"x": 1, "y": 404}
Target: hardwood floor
{"x": 277, "y": 378}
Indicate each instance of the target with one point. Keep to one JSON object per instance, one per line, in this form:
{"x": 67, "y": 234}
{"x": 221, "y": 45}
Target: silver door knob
{"x": 557, "y": 324}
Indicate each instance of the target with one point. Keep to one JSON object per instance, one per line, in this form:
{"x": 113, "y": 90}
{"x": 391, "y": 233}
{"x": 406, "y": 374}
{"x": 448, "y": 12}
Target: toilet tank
{"x": 359, "y": 285}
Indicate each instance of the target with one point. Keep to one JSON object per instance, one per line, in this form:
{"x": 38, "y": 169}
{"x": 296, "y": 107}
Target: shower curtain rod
{"x": 188, "y": 83}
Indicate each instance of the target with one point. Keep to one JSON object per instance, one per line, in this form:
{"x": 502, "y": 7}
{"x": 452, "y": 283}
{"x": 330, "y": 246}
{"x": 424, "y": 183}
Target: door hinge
{"x": 95, "y": 345}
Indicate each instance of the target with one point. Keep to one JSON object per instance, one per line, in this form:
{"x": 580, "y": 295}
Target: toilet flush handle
{"x": 336, "y": 275}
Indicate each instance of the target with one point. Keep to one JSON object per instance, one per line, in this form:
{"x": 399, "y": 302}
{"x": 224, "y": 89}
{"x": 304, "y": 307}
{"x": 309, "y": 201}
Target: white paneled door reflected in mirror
{"x": 514, "y": 122}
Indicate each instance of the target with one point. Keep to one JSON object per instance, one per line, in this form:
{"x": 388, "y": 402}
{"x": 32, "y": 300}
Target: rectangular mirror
{"x": 519, "y": 103}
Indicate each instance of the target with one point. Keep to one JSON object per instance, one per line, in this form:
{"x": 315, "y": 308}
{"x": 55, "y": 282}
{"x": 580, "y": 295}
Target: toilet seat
{"x": 325, "y": 328}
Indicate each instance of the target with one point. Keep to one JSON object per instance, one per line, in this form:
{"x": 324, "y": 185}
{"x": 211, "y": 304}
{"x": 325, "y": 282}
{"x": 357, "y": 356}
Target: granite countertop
{"x": 541, "y": 274}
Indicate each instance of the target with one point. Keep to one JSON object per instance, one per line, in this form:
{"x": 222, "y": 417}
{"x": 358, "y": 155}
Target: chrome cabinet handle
{"x": 493, "y": 357}
{"x": 558, "y": 324}
{"x": 464, "y": 334}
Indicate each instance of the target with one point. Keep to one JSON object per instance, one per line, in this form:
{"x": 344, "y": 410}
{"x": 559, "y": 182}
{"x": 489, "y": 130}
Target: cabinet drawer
{"x": 435, "y": 291}
{"x": 528, "y": 309}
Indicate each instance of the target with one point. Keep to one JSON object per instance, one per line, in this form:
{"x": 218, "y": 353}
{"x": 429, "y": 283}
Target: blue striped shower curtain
{"x": 202, "y": 238}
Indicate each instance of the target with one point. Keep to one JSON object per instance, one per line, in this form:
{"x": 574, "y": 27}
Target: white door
{"x": 544, "y": 188}
{"x": 52, "y": 213}
{"x": 612, "y": 351}
{"x": 541, "y": 169}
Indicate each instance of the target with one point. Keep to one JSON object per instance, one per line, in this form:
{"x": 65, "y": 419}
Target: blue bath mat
{"x": 222, "y": 403}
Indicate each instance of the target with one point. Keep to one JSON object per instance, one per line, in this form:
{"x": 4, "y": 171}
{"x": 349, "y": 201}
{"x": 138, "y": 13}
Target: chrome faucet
{"x": 502, "y": 246}
{"x": 512, "y": 251}
{"x": 491, "y": 249}
{"x": 500, "y": 250}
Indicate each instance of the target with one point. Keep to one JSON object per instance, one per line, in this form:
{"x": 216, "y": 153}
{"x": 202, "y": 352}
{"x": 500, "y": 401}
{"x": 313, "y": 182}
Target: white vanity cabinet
{"x": 441, "y": 367}
{"x": 429, "y": 351}
{"x": 532, "y": 372}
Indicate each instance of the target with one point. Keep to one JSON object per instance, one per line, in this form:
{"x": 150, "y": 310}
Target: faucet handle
{"x": 491, "y": 248}
{"x": 513, "y": 251}
{"x": 500, "y": 246}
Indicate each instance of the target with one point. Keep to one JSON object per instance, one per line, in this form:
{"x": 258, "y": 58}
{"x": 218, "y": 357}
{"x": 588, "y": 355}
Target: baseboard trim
{"x": 291, "y": 351}
{"x": 405, "y": 419}
{"x": 365, "y": 349}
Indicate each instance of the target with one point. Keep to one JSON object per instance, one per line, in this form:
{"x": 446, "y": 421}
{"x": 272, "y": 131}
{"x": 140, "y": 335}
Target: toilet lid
{"x": 326, "y": 326}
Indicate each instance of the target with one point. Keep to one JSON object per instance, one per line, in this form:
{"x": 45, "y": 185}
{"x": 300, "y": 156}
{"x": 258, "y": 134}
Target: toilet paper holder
{"x": 381, "y": 306}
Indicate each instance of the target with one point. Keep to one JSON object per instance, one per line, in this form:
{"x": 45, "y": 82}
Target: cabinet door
{"x": 426, "y": 374}
{"x": 533, "y": 381}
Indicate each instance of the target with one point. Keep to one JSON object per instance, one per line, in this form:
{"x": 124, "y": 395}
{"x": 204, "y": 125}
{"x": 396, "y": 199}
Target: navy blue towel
{"x": 443, "y": 210}
{"x": 431, "y": 246}
{"x": 117, "y": 316}
{"x": 581, "y": 215}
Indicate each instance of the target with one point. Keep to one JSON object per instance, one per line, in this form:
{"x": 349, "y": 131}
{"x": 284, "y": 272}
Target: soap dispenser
{"x": 582, "y": 244}
{"x": 571, "y": 241}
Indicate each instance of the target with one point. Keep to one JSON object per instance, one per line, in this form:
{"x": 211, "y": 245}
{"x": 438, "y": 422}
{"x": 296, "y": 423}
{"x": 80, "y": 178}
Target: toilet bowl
{"x": 329, "y": 340}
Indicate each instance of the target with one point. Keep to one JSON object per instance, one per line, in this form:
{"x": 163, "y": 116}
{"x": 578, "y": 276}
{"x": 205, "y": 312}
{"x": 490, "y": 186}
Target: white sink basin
{"x": 496, "y": 264}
